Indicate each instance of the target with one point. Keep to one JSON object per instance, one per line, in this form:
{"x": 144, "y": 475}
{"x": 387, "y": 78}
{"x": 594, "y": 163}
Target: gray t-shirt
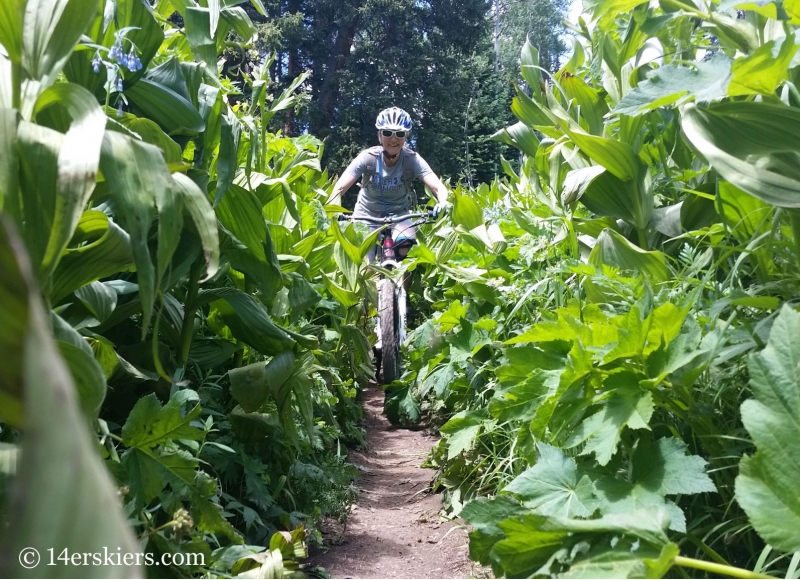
{"x": 386, "y": 193}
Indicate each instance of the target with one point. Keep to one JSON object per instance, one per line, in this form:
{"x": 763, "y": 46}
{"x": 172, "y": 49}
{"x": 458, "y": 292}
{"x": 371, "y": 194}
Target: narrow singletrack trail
{"x": 394, "y": 529}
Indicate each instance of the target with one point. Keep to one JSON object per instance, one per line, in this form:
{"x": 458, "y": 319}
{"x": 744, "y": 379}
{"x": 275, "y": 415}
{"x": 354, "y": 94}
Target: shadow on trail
{"x": 394, "y": 530}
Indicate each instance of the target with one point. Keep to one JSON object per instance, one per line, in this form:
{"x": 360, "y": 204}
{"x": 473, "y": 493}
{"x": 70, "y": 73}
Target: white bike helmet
{"x": 393, "y": 119}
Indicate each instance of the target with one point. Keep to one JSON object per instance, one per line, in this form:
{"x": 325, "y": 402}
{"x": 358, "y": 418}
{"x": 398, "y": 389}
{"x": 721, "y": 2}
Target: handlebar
{"x": 388, "y": 220}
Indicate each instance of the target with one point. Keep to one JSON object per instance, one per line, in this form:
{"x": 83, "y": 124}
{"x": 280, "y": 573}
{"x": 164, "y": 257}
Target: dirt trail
{"x": 394, "y": 530}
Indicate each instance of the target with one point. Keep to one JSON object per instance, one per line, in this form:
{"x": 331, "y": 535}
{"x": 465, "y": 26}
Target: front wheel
{"x": 390, "y": 335}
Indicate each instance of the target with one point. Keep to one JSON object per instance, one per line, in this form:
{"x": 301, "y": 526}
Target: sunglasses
{"x": 399, "y": 134}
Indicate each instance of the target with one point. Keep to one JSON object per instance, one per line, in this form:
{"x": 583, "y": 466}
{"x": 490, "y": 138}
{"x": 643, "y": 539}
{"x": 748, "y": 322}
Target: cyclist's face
{"x": 393, "y": 144}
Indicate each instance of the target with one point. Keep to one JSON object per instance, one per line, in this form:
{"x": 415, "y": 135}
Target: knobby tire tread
{"x": 389, "y": 332}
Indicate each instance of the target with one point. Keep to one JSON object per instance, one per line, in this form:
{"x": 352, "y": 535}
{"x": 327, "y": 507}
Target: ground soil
{"x": 394, "y": 529}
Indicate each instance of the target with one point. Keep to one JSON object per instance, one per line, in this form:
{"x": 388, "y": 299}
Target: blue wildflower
{"x": 134, "y": 63}
{"x": 96, "y": 64}
{"x": 119, "y": 83}
{"x": 119, "y": 108}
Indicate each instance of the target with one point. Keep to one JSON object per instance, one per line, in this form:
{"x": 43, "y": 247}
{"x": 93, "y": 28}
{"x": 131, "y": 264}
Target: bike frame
{"x": 391, "y": 299}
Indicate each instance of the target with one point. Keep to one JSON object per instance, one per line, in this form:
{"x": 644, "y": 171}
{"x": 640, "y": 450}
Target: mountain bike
{"x": 391, "y": 294}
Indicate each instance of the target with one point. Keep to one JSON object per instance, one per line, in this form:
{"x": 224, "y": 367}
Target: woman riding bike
{"x": 386, "y": 172}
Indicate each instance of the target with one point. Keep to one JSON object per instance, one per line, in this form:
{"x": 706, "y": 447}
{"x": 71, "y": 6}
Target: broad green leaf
{"x": 733, "y": 33}
{"x": 662, "y": 325}
{"x": 664, "y": 468}
{"x": 764, "y": 69}
{"x": 249, "y": 385}
{"x": 78, "y": 163}
{"x": 99, "y": 299}
{"x": 82, "y": 513}
{"x": 239, "y": 212}
{"x": 766, "y": 486}
{"x": 250, "y": 322}
{"x": 11, "y": 17}
{"x": 521, "y": 401}
{"x": 212, "y": 352}
{"x": 227, "y": 160}
{"x": 90, "y": 381}
{"x": 618, "y": 498}
{"x": 241, "y": 23}
{"x": 9, "y": 161}
{"x": 484, "y": 515}
{"x": 592, "y": 106}
{"x": 618, "y": 157}
{"x": 614, "y": 250}
{"x": 400, "y": 406}
{"x": 344, "y": 297}
{"x": 51, "y": 30}
{"x": 745, "y": 215}
{"x": 607, "y": 195}
{"x": 136, "y": 175}
{"x": 519, "y": 135}
{"x": 205, "y": 223}
{"x": 198, "y": 33}
{"x": 526, "y": 547}
{"x": 601, "y": 432}
{"x": 151, "y": 133}
{"x": 529, "y": 67}
{"x": 461, "y": 431}
{"x": 676, "y": 85}
{"x": 265, "y": 273}
{"x": 39, "y": 148}
{"x": 625, "y": 559}
{"x": 346, "y": 266}
{"x": 175, "y": 114}
{"x": 438, "y": 380}
{"x": 99, "y": 248}
{"x": 752, "y": 144}
{"x": 352, "y": 250}
{"x": 577, "y": 182}
{"x": 553, "y": 486}
{"x": 466, "y": 212}
{"x": 149, "y": 424}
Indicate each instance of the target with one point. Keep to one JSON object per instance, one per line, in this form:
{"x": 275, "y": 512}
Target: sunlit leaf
{"x": 82, "y": 513}
{"x": 766, "y": 487}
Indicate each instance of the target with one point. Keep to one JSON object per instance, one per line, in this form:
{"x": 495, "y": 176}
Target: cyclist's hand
{"x": 441, "y": 209}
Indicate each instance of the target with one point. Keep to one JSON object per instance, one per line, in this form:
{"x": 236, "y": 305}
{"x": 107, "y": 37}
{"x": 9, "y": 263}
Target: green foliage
{"x": 764, "y": 487}
{"x": 179, "y": 248}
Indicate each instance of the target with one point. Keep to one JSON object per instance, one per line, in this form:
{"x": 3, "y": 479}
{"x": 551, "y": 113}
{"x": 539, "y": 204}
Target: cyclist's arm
{"x": 436, "y": 186}
{"x": 344, "y": 183}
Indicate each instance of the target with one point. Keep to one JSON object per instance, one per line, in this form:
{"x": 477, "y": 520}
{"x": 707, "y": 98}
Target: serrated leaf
{"x": 400, "y": 406}
{"x": 675, "y": 85}
{"x": 553, "y": 486}
{"x": 461, "y": 431}
{"x": 601, "y": 432}
{"x": 764, "y": 69}
{"x": 149, "y": 424}
{"x": 766, "y": 486}
{"x": 526, "y": 546}
{"x": 663, "y": 467}
{"x": 520, "y": 402}
{"x": 619, "y": 498}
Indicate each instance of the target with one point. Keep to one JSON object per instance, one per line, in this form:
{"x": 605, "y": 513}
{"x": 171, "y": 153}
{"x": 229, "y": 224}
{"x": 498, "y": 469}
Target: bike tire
{"x": 390, "y": 336}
